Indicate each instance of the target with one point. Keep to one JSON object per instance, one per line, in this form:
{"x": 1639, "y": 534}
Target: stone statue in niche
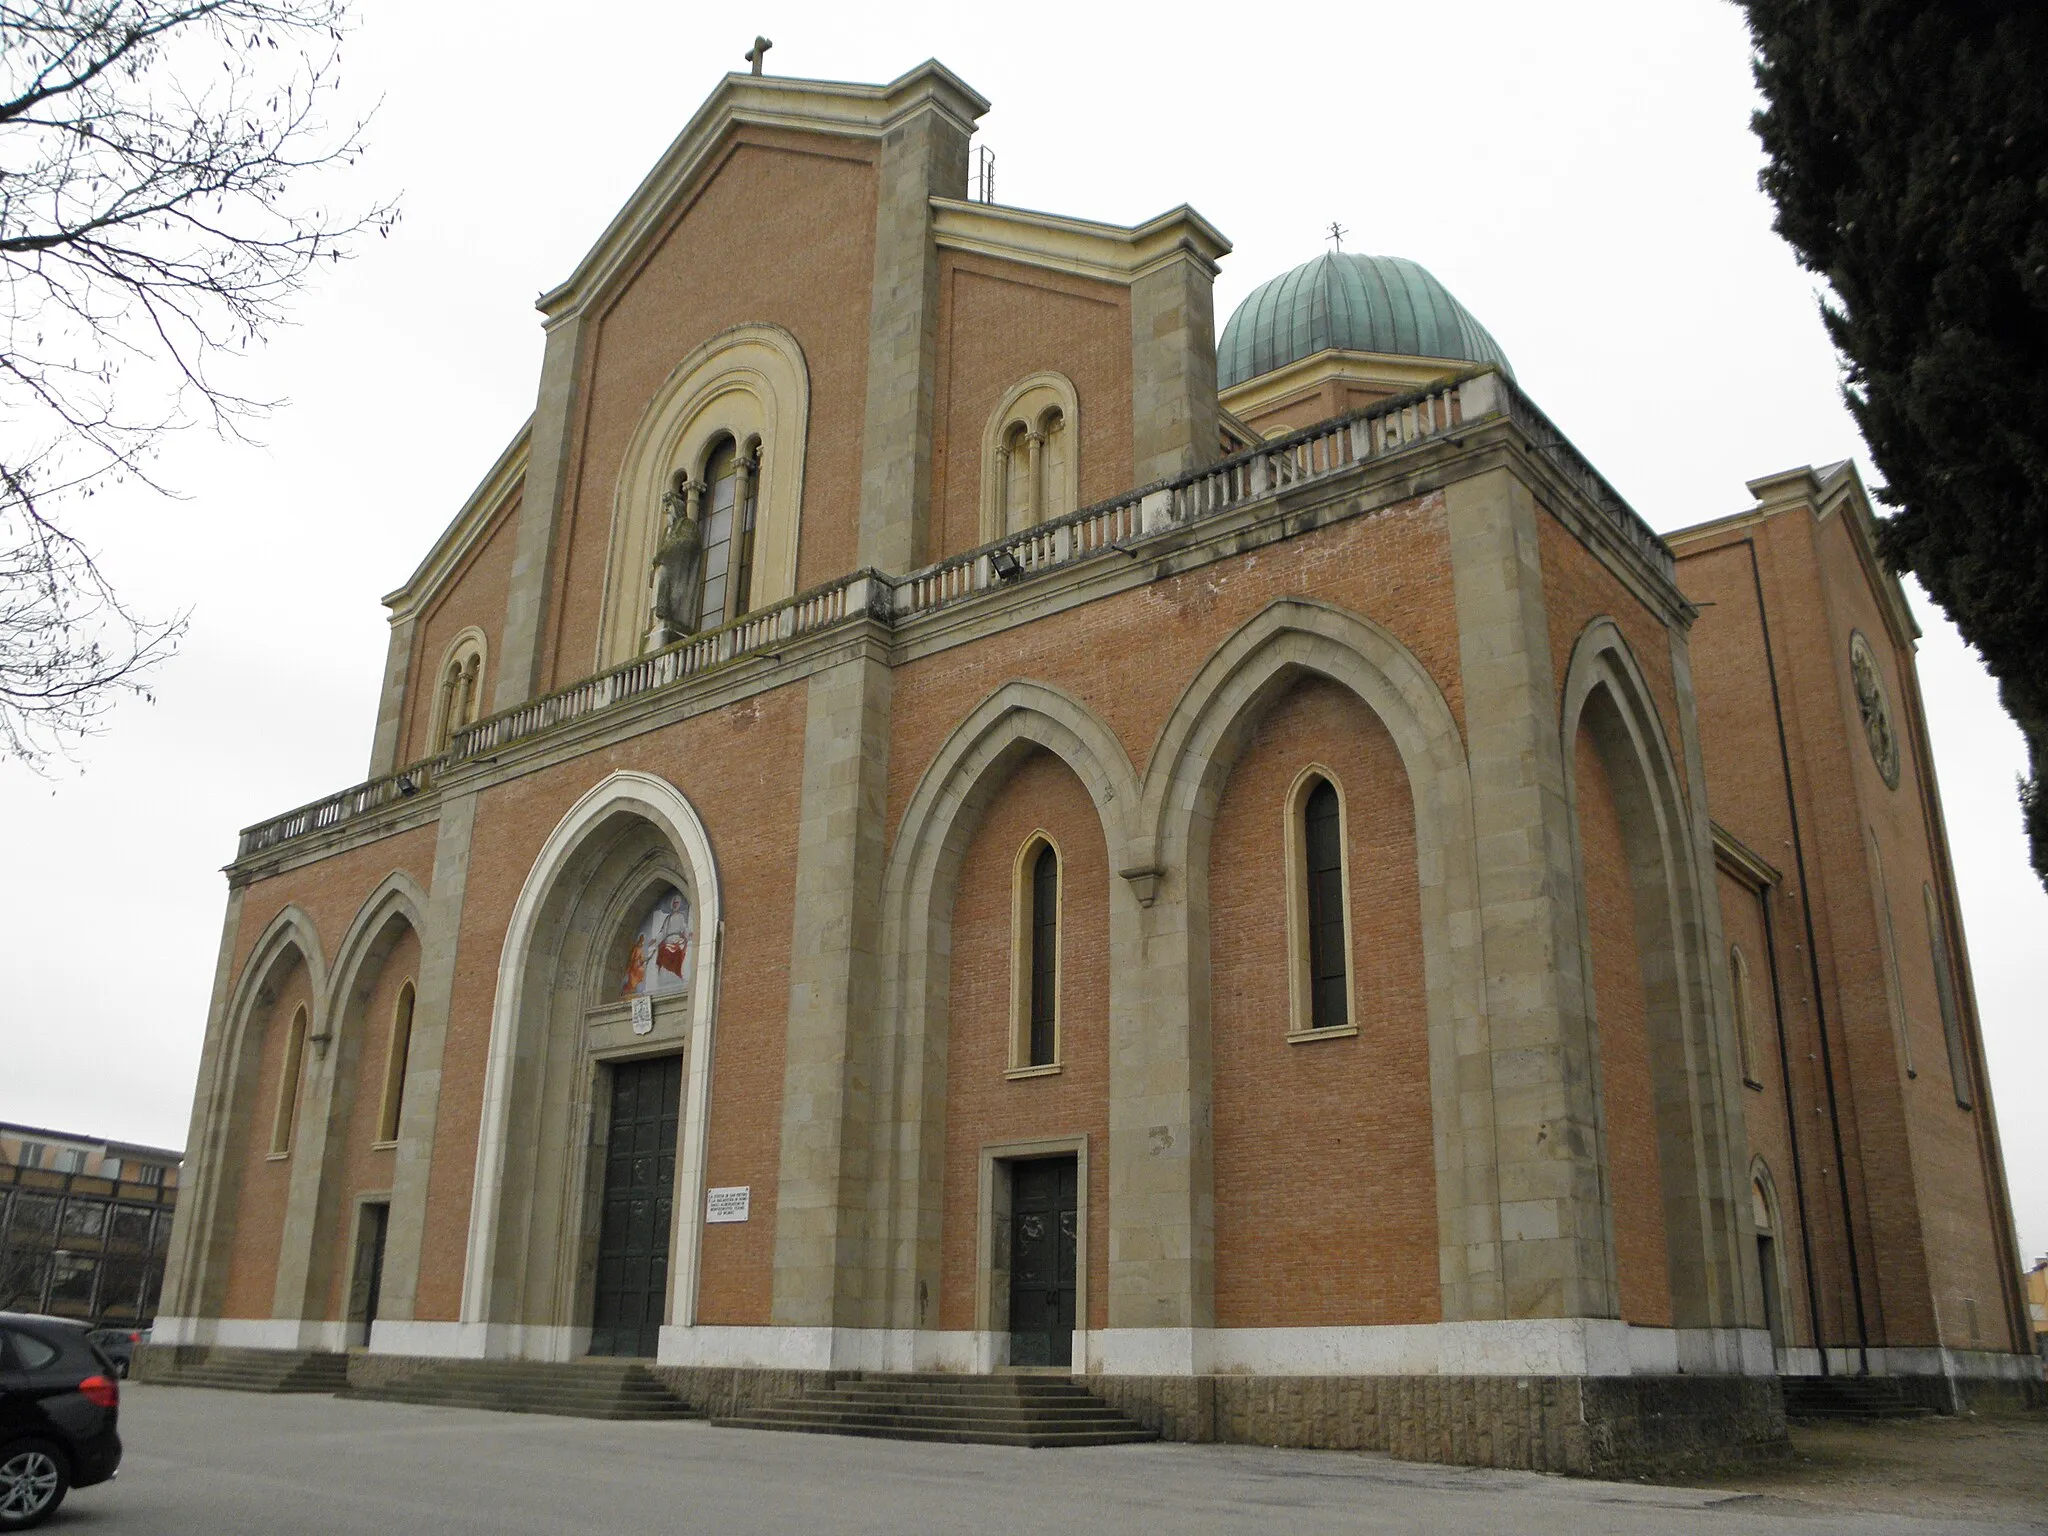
{"x": 678, "y": 563}
{"x": 1875, "y": 708}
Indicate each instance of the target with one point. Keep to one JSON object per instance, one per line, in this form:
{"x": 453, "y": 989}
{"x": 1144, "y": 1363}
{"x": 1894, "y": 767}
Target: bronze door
{"x": 639, "y": 1200}
{"x": 1044, "y": 1222}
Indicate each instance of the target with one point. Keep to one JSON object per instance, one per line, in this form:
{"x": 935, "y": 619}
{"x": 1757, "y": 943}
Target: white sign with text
{"x": 728, "y": 1204}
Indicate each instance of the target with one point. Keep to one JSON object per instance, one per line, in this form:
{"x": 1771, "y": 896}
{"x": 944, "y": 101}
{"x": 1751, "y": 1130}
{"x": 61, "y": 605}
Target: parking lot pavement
{"x": 227, "y": 1463}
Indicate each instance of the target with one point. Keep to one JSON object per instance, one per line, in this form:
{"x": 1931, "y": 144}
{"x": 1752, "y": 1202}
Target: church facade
{"x": 929, "y": 815}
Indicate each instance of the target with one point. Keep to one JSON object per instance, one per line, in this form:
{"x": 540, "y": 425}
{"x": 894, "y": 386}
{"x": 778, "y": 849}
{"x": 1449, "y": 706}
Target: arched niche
{"x": 560, "y": 1022}
{"x": 749, "y": 383}
{"x": 1693, "y": 1058}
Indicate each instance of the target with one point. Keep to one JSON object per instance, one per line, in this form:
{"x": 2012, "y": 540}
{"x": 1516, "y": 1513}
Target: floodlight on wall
{"x": 406, "y": 786}
{"x": 1005, "y": 564}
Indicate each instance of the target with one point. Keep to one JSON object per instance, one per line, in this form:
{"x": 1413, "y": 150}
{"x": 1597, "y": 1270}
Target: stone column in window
{"x": 746, "y": 473}
{"x": 1036, "y": 511}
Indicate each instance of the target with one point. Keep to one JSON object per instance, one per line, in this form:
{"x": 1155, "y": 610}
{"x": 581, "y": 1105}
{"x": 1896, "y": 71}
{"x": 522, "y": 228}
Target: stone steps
{"x": 1850, "y": 1398}
{"x": 577, "y": 1389}
{"x": 248, "y": 1370}
{"x": 962, "y": 1410}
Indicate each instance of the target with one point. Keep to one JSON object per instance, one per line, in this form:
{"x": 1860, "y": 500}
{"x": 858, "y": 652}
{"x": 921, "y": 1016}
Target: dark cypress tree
{"x": 1908, "y": 157}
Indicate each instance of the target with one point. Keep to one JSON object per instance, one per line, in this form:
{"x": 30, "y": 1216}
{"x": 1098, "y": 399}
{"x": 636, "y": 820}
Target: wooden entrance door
{"x": 366, "y": 1280}
{"x": 1043, "y": 1226}
{"x": 639, "y": 1199}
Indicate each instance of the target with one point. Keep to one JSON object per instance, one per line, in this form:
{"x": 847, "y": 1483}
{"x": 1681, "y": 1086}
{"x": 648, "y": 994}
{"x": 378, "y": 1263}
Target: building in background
{"x": 84, "y": 1225}
{"x": 1240, "y": 869}
{"x": 2037, "y": 1303}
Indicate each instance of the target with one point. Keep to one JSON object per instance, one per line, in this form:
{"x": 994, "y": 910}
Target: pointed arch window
{"x": 1035, "y": 964}
{"x": 391, "y": 1106}
{"x": 1318, "y": 908}
{"x": 286, "y": 1115}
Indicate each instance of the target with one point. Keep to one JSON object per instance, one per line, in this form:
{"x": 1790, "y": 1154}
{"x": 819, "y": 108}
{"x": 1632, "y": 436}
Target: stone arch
{"x": 458, "y": 681}
{"x": 1772, "y": 1265}
{"x": 1035, "y": 404}
{"x": 1207, "y": 731}
{"x": 1691, "y": 1045}
{"x": 919, "y": 884}
{"x": 195, "y": 1285}
{"x": 306, "y": 1258}
{"x": 749, "y": 382}
{"x": 523, "y": 1290}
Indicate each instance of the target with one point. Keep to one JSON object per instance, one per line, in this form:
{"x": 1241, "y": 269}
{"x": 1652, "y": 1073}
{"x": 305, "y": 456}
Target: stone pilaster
{"x": 540, "y": 508}
{"x": 923, "y": 155}
{"x": 391, "y": 700}
{"x": 1555, "y": 1247}
{"x": 421, "y": 1105}
{"x": 1173, "y": 367}
{"x": 834, "y": 984}
{"x": 195, "y": 1270}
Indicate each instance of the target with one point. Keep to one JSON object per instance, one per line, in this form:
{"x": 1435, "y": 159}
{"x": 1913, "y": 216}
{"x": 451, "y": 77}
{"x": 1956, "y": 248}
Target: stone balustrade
{"x": 1300, "y": 458}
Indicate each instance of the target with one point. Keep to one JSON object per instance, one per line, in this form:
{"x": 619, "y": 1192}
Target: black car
{"x": 59, "y": 1398}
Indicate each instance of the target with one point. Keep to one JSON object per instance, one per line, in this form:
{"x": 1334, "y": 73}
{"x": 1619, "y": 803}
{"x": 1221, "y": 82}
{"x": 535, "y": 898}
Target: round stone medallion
{"x": 1875, "y": 708}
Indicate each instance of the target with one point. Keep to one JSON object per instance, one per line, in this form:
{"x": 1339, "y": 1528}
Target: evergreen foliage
{"x": 1908, "y": 157}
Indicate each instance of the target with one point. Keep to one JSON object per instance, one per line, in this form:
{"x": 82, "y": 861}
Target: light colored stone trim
{"x": 1025, "y": 404}
{"x": 1294, "y": 843}
{"x": 439, "y": 727}
{"x": 1555, "y": 1243}
{"x": 420, "y": 1104}
{"x": 306, "y": 1257}
{"x": 527, "y": 590}
{"x": 187, "y": 1260}
{"x": 466, "y": 532}
{"x": 923, "y": 153}
{"x": 1203, "y": 737}
{"x": 821, "y": 1212}
{"x": 664, "y": 807}
{"x": 1693, "y": 1052}
{"x": 749, "y": 382}
{"x": 251, "y": 1333}
{"x": 224, "y": 1112}
{"x": 939, "y": 820}
{"x": 1023, "y": 939}
{"x": 1304, "y": 378}
{"x": 392, "y": 697}
{"x": 1174, "y": 425}
{"x": 1079, "y": 247}
{"x": 829, "y": 1349}
{"x": 1532, "y": 1347}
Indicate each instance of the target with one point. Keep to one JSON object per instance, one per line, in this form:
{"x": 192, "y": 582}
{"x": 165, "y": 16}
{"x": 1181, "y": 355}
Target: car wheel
{"x": 33, "y": 1482}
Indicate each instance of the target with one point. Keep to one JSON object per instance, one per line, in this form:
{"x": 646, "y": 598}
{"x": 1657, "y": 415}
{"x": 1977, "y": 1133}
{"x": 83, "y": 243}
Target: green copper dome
{"x": 1359, "y": 303}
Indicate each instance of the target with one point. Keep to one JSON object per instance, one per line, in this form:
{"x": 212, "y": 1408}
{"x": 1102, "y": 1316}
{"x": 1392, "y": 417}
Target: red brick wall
{"x": 1324, "y": 1164}
{"x": 473, "y": 595}
{"x": 982, "y": 1105}
{"x": 999, "y": 323}
{"x": 362, "y": 1167}
{"x": 262, "y": 1183}
{"x": 741, "y": 767}
{"x": 779, "y": 231}
{"x": 1628, "y": 1097}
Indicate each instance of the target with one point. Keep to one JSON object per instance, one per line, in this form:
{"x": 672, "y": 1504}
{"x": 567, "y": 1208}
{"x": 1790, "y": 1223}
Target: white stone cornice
{"x": 808, "y": 106}
{"x": 1082, "y": 247}
{"x": 466, "y": 531}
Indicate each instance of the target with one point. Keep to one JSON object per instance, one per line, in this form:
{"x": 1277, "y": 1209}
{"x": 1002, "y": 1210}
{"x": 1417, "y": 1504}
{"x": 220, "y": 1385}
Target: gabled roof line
{"x": 817, "y": 106}
{"x": 466, "y": 530}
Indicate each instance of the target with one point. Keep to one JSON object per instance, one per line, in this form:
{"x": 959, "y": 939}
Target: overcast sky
{"x": 1581, "y": 174}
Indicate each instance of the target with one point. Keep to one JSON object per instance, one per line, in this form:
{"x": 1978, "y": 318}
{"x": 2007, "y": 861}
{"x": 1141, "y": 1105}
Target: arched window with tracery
{"x": 1035, "y": 951}
{"x": 1030, "y": 469}
{"x": 1318, "y": 905}
{"x": 459, "y": 688}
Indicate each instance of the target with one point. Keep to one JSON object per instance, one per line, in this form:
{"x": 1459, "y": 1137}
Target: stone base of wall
{"x": 1593, "y": 1426}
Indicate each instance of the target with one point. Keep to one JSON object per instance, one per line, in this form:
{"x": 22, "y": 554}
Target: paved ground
{"x": 230, "y": 1464}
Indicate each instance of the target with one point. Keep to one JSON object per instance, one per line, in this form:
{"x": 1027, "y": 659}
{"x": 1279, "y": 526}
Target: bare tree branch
{"x": 148, "y": 153}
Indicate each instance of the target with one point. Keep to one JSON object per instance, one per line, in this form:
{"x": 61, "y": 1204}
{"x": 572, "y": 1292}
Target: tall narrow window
{"x": 288, "y": 1087}
{"x": 1945, "y": 990}
{"x": 1745, "y": 1024}
{"x": 1045, "y": 956}
{"x": 1902, "y": 1023}
{"x": 721, "y": 482}
{"x": 1323, "y": 861}
{"x": 747, "y": 482}
{"x": 392, "y": 1105}
{"x": 458, "y": 702}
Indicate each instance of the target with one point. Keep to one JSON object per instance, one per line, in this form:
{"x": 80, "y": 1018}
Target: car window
{"x": 30, "y": 1352}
